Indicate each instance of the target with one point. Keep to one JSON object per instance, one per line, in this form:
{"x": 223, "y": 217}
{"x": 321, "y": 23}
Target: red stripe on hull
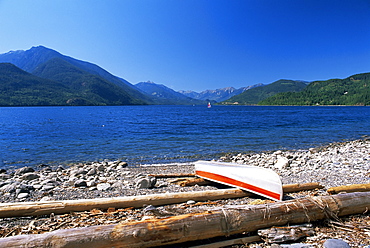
{"x": 227, "y": 180}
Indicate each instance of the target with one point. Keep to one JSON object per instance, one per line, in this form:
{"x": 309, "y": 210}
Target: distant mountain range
{"x": 218, "y": 95}
{"x": 166, "y": 95}
{"x": 41, "y": 77}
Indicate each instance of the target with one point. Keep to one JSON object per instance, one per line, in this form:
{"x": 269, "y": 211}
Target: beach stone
{"x": 22, "y": 195}
{"x": 24, "y": 189}
{"x": 9, "y": 188}
{"x": 100, "y": 167}
{"x": 37, "y": 186}
{"x": 103, "y": 186}
{"x": 80, "y": 183}
{"x": 24, "y": 170}
{"x": 4, "y": 176}
{"x": 281, "y": 163}
{"x": 335, "y": 243}
{"x": 91, "y": 172}
{"x": 91, "y": 183}
{"x": 30, "y": 176}
{"x": 46, "y": 169}
{"x": 60, "y": 168}
{"x": 118, "y": 185}
{"x": 145, "y": 182}
{"x": 297, "y": 245}
{"x": 46, "y": 198}
{"x": 142, "y": 183}
{"x": 47, "y": 187}
{"x": 122, "y": 164}
{"x": 51, "y": 182}
{"x": 2, "y": 171}
{"x": 80, "y": 171}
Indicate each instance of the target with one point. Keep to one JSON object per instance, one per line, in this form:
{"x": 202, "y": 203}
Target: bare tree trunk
{"x": 60, "y": 207}
{"x": 213, "y": 223}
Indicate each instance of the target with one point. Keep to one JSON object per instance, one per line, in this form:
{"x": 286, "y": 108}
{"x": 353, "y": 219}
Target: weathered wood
{"x": 172, "y": 175}
{"x": 60, "y": 207}
{"x": 193, "y": 181}
{"x": 350, "y": 188}
{"x": 290, "y": 188}
{"x": 286, "y": 233}
{"x": 213, "y": 223}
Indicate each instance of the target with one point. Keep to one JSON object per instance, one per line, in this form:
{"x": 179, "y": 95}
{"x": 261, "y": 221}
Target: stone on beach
{"x": 335, "y": 243}
{"x": 332, "y": 165}
{"x": 145, "y": 182}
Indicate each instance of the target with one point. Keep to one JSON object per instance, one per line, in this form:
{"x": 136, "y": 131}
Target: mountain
{"x": 30, "y": 59}
{"x": 255, "y": 95}
{"x": 165, "y": 95}
{"x": 20, "y": 88}
{"x": 93, "y": 87}
{"x": 218, "y": 95}
{"x": 354, "y": 90}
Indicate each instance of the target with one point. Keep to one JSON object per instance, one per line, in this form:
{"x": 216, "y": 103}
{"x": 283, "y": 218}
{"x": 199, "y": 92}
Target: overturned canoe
{"x": 254, "y": 179}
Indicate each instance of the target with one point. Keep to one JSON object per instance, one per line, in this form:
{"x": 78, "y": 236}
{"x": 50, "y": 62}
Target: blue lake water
{"x": 166, "y": 134}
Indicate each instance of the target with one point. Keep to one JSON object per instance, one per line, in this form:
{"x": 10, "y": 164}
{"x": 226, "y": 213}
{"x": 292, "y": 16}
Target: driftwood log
{"x": 213, "y": 223}
{"x": 19, "y": 209}
{"x": 350, "y": 188}
{"x": 172, "y": 175}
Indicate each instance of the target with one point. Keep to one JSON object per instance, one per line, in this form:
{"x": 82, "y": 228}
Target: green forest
{"x": 354, "y": 90}
{"x": 256, "y": 95}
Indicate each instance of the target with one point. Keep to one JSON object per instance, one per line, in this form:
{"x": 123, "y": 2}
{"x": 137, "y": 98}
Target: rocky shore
{"x": 331, "y": 165}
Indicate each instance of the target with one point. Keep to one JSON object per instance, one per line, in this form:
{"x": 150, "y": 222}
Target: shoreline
{"x": 331, "y": 165}
{"x": 293, "y": 166}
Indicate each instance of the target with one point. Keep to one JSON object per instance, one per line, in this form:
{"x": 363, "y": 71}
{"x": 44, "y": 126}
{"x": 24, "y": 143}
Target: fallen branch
{"x": 286, "y": 233}
{"x": 67, "y": 206}
{"x": 193, "y": 181}
{"x": 290, "y": 188}
{"x": 213, "y": 223}
{"x": 172, "y": 175}
{"x": 19, "y": 209}
{"x": 350, "y": 188}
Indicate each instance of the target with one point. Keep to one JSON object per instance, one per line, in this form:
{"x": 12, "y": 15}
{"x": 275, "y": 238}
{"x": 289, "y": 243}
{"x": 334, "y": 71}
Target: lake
{"x": 168, "y": 134}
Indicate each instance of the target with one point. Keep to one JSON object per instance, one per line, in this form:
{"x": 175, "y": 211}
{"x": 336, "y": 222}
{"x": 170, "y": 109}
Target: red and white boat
{"x": 258, "y": 180}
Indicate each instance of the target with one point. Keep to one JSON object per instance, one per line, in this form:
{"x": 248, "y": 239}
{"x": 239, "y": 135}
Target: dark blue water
{"x": 164, "y": 134}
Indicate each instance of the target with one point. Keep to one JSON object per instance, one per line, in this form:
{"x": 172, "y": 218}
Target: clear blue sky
{"x": 198, "y": 44}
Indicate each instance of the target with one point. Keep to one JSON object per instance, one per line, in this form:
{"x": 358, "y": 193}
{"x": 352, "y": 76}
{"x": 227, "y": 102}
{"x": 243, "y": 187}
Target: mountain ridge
{"x": 85, "y": 83}
{"x": 93, "y": 87}
{"x": 167, "y": 95}
{"x": 255, "y": 95}
{"x": 353, "y": 90}
{"x": 218, "y": 95}
{"x": 28, "y": 60}
{"x": 20, "y": 88}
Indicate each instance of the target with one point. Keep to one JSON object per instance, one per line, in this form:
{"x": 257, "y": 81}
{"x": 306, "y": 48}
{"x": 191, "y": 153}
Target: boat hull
{"x": 254, "y": 179}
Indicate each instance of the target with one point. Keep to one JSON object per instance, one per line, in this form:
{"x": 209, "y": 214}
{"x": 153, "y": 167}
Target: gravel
{"x": 331, "y": 165}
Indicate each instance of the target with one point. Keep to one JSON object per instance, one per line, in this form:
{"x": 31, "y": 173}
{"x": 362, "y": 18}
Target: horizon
{"x": 198, "y": 45}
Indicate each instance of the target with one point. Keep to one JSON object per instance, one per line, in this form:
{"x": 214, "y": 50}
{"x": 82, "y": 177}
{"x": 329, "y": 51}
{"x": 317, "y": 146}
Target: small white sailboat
{"x": 209, "y": 105}
{"x": 258, "y": 180}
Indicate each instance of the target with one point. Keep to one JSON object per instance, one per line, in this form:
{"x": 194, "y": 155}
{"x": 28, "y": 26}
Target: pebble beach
{"x": 331, "y": 165}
